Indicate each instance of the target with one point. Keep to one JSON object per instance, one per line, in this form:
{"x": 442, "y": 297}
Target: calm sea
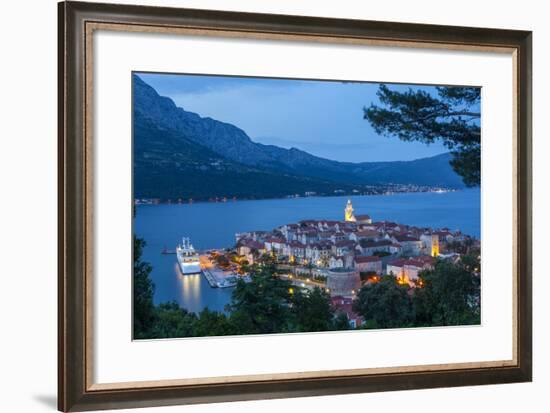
{"x": 213, "y": 225}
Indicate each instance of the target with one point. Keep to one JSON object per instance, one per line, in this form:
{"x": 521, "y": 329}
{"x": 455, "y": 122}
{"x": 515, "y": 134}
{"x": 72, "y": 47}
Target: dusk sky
{"x": 319, "y": 117}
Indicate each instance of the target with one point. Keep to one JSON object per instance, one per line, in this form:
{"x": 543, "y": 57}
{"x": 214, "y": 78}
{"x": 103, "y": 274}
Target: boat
{"x": 227, "y": 282}
{"x": 188, "y": 258}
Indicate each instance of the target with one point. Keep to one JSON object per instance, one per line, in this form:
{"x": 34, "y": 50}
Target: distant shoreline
{"x": 223, "y": 200}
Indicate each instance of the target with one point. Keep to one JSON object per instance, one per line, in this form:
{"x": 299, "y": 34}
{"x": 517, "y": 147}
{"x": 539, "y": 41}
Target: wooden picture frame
{"x": 76, "y": 24}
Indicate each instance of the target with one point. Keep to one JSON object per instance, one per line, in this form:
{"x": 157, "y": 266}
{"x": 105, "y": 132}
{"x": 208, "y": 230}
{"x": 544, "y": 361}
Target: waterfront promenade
{"x": 216, "y": 277}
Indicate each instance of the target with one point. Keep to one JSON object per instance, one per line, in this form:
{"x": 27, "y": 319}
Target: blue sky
{"x": 320, "y": 117}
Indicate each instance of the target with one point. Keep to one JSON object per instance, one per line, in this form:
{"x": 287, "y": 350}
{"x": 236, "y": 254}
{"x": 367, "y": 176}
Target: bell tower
{"x": 348, "y": 212}
{"x": 435, "y": 245}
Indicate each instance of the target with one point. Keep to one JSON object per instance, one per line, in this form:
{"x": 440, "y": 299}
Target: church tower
{"x": 348, "y": 212}
{"x": 435, "y": 245}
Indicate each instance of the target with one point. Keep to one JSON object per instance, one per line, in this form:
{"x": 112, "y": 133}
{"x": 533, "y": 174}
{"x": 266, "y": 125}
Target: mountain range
{"x": 179, "y": 154}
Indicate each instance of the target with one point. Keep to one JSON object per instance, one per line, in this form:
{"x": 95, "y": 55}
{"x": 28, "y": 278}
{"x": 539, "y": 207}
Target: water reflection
{"x": 190, "y": 286}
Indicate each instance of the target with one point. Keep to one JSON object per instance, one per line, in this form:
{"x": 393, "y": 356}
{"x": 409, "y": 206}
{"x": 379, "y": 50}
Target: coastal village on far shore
{"x": 378, "y": 189}
{"x": 339, "y": 257}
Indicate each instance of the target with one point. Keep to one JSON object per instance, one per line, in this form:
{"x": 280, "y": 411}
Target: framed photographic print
{"x": 262, "y": 206}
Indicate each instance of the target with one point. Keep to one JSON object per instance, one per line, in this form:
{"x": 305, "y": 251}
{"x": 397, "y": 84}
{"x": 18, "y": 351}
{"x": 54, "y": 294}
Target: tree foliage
{"x": 385, "y": 304}
{"x": 172, "y": 321}
{"x": 312, "y": 311}
{"x": 449, "y": 294}
{"x": 261, "y": 306}
{"x": 452, "y": 115}
{"x": 143, "y": 291}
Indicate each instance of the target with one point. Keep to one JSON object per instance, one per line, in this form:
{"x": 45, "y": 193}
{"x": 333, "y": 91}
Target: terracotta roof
{"x": 360, "y": 259}
{"x": 367, "y": 233}
{"x": 347, "y": 309}
{"x": 405, "y": 238}
{"x": 400, "y": 262}
{"x": 345, "y": 243}
{"x": 329, "y": 222}
{"x": 371, "y": 244}
{"x": 425, "y": 258}
{"x": 390, "y": 224}
{"x": 419, "y": 262}
{"x": 253, "y": 244}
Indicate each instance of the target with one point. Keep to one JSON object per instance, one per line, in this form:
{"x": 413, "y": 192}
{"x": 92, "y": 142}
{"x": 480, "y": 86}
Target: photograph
{"x": 276, "y": 205}
{"x": 241, "y": 195}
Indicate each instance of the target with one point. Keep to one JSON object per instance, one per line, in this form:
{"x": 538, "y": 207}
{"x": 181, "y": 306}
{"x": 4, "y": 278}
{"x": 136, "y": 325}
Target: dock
{"x": 210, "y": 278}
{"x": 216, "y": 277}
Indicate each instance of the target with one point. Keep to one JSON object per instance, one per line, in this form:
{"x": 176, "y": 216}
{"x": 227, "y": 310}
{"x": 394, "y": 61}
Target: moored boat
{"x": 188, "y": 258}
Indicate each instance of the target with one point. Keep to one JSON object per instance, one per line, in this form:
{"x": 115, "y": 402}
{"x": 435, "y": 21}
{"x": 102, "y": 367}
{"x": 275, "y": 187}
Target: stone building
{"x": 368, "y": 264}
{"x": 343, "y": 281}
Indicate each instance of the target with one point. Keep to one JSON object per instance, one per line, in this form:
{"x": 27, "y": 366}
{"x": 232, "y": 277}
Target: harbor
{"x": 191, "y": 262}
{"x": 216, "y": 276}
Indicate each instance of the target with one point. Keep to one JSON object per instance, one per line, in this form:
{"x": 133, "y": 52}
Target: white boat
{"x": 227, "y": 282}
{"x": 188, "y": 258}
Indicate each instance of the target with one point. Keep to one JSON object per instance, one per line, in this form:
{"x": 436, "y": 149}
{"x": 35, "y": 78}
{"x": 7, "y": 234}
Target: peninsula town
{"x": 341, "y": 257}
